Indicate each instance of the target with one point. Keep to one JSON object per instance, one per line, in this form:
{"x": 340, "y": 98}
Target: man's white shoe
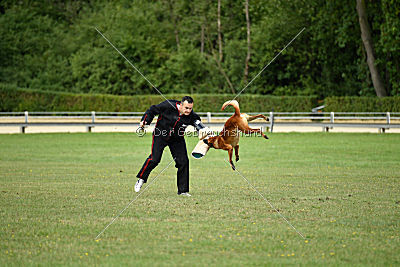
{"x": 139, "y": 185}
{"x": 185, "y": 194}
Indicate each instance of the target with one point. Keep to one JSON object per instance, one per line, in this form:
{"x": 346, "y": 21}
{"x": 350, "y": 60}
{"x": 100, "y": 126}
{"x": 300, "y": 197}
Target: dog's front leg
{"x": 237, "y": 152}
{"x": 230, "y": 152}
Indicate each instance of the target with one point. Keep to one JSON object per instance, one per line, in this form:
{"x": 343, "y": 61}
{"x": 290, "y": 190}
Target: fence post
{"x": 93, "y": 116}
{"x": 332, "y": 117}
{"x": 89, "y": 127}
{"x": 22, "y": 128}
{"x": 388, "y": 117}
{"x": 208, "y": 117}
{"x": 271, "y": 121}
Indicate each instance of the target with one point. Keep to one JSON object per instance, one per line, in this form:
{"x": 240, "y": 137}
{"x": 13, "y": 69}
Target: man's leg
{"x": 157, "y": 148}
{"x": 178, "y": 151}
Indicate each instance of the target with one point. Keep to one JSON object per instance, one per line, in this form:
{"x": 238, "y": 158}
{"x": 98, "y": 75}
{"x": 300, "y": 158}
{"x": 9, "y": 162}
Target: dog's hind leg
{"x": 251, "y": 118}
{"x": 237, "y": 152}
{"x": 249, "y": 130}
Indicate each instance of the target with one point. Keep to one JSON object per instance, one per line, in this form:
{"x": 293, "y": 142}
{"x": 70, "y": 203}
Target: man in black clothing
{"x": 173, "y": 118}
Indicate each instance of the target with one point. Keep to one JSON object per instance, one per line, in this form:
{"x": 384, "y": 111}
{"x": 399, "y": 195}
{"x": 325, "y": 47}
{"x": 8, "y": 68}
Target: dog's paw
{"x": 237, "y": 158}
{"x": 266, "y": 137}
{"x": 233, "y": 166}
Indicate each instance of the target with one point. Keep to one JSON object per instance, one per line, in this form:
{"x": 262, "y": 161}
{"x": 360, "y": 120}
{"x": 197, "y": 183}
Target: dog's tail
{"x": 232, "y": 103}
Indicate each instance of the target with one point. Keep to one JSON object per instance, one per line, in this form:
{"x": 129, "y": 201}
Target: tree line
{"x": 348, "y": 47}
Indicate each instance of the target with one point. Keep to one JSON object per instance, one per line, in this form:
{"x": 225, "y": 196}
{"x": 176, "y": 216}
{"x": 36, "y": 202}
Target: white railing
{"x": 327, "y": 120}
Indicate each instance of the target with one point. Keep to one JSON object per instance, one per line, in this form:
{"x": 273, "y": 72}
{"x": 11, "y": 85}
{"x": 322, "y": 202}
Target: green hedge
{"x": 16, "y": 99}
{"x": 362, "y": 104}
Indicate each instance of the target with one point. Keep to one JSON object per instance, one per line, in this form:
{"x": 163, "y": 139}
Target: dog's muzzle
{"x": 202, "y": 146}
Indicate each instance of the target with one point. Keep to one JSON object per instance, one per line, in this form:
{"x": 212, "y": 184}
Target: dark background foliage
{"x": 53, "y": 45}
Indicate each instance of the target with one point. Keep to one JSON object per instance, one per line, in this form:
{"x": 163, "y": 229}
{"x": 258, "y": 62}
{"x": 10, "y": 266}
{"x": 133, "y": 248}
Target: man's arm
{"x": 154, "y": 110}
{"x": 196, "y": 122}
{"x": 201, "y": 128}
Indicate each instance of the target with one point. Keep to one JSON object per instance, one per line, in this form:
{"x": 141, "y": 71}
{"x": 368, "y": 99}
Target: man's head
{"x": 186, "y": 105}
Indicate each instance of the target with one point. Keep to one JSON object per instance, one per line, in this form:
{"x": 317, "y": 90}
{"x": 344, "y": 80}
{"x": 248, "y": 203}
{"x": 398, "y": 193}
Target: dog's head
{"x": 212, "y": 141}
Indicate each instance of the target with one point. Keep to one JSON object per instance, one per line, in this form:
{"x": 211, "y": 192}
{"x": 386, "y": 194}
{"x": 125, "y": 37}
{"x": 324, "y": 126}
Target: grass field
{"x": 341, "y": 191}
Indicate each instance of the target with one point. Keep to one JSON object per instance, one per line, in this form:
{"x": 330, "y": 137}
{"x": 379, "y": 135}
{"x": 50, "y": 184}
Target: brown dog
{"x": 228, "y": 138}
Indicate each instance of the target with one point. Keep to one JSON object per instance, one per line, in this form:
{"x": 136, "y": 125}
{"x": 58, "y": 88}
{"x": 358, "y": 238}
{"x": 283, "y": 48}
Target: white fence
{"x": 326, "y": 120}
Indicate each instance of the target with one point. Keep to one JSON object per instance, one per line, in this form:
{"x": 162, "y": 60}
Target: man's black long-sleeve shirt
{"x": 170, "y": 123}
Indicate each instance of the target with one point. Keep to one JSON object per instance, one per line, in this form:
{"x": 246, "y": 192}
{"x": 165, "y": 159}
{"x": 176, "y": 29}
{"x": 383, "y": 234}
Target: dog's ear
{"x": 219, "y": 142}
{"x": 214, "y": 142}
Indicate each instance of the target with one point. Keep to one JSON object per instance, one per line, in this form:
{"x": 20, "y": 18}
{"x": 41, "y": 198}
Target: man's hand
{"x": 141, "y": 131}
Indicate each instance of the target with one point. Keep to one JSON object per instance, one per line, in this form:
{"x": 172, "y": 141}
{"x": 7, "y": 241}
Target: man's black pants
{"x": 177, "y": 146}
